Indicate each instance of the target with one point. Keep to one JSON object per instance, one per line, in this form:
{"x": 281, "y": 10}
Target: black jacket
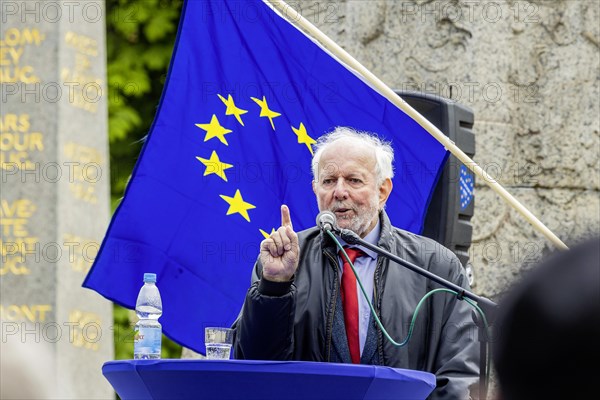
{"x": 297, "y": 320}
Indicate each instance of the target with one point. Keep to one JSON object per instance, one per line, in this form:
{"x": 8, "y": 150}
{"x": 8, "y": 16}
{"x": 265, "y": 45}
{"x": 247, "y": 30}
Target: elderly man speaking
{"x": 304, "y": 303}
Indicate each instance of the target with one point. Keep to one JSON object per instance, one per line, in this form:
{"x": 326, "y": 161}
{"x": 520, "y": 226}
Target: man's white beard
{"x": 360, "y": 222}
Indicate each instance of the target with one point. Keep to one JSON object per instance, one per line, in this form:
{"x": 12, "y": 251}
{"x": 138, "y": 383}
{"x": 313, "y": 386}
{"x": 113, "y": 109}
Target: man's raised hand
{"x": 280, "y": 252}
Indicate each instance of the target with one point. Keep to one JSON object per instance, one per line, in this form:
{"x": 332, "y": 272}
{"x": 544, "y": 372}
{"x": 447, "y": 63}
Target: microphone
{"x": 349, "y": 236}
{"x": 326, "y": 221}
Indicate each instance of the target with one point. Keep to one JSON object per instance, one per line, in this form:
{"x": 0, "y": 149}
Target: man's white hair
{"x": 384, "y": 153}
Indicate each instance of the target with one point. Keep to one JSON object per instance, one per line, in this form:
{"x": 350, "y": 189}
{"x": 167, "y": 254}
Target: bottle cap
{"x": 148, "y": 277}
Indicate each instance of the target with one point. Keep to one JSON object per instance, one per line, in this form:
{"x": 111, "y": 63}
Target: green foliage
{"x": 123, "y": 334}
{"x": 140, "y": 39}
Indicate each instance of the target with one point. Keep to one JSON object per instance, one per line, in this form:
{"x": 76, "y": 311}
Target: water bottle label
{"x": 147, "y": 340}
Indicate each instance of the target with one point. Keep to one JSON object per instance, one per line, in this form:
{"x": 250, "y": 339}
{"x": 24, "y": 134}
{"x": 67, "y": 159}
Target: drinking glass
{"x": 218, "y": 343}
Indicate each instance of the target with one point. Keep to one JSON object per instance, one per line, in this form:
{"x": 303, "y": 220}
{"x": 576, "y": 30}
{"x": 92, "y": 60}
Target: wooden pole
{"x": 384, "y": 90}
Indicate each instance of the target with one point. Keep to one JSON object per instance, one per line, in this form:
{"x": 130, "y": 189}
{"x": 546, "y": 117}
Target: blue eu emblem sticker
{"x": 466, "y": 187}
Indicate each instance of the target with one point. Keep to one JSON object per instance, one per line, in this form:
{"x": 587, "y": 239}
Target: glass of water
{"x": 218, "y": 343}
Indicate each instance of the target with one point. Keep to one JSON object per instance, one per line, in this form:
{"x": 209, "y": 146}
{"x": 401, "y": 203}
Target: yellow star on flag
{"x": 265, "y": 234}
{"x": 304, "y": 138}
{"x": 214, "y": 129}
{"x": 238, "y": 205}
{"x": 215, "y": 166}
{"x": 232, "y": 109}
{"x": 265, "y": 111}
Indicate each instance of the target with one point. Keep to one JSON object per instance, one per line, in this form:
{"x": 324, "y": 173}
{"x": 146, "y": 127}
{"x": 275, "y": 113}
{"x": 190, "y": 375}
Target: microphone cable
{"x": 417, "y": 308}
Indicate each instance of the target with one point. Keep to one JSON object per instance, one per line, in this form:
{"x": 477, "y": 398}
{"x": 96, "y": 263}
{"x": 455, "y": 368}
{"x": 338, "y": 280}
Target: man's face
{"x": 347, "y": 186}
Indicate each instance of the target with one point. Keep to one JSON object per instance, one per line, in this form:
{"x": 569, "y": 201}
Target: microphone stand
{"x": 488, "y": 307}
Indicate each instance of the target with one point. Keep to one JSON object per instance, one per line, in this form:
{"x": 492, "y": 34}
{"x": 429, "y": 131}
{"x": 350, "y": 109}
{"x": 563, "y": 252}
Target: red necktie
{"x": 350, "y": 303}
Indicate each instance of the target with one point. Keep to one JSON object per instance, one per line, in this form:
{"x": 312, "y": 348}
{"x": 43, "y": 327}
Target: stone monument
{"x": 529, "y": 71}
{"x": 54, "y": 203}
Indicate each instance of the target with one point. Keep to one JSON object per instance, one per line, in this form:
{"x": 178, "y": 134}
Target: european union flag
{"x": 246, "y": 97}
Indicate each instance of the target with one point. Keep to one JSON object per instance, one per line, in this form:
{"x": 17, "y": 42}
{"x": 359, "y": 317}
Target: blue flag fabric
{"x": 246, "y": 97}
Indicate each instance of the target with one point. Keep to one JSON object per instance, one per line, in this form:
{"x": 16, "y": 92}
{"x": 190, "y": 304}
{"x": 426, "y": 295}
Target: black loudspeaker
{"x": 448, "y": 219}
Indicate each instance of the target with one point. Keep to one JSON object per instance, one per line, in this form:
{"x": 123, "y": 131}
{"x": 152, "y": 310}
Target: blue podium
{"x": 241, "y": 379}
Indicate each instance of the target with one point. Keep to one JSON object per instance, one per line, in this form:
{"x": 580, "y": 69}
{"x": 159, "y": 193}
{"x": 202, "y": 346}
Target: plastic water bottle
{"x": 148, "y": 331}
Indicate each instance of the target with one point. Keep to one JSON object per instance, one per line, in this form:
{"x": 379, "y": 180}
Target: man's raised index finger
{"x": 285, "y": 216}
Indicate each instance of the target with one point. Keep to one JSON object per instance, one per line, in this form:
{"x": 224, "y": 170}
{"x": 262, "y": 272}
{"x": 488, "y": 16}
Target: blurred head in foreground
{"x": 548, "y": 330}
{"x": 26, "y": 368}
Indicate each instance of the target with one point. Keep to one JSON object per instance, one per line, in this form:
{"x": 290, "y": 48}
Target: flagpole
{"x": 350, "y": 61}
